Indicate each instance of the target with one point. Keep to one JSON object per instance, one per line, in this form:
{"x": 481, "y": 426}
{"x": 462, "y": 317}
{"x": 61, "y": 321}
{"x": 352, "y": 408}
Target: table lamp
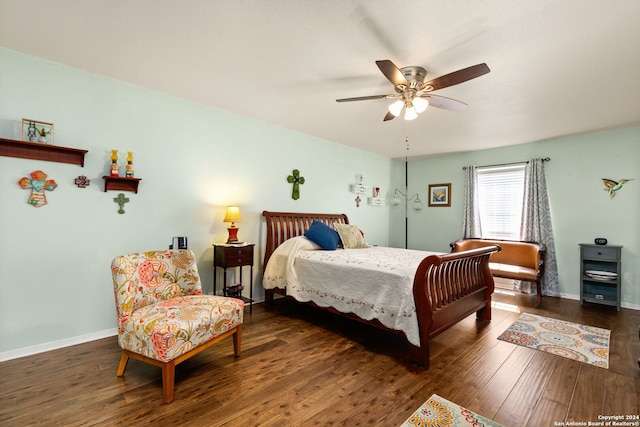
{"x": 233, "y": 216}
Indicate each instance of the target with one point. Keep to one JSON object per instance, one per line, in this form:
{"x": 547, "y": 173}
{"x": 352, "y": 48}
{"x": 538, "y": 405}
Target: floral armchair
{"x": 163, "y": 317}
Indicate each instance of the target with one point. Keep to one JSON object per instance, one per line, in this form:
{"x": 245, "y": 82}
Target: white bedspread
{"x": 373, "y": 283}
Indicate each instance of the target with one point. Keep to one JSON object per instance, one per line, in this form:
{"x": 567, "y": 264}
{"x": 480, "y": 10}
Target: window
{"x": 500, "y": 198}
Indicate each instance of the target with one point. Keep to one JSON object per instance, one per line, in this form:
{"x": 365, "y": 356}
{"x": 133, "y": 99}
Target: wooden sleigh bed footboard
{"x": 446, "y": 288}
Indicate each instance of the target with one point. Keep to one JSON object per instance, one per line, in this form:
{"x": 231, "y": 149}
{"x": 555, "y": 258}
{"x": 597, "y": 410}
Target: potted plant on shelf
{"x": 42, "y": 134}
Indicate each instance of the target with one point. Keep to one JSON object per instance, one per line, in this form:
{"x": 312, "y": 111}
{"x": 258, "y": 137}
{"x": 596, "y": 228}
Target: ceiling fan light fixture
{"x": 414, "y": 94}
{"x": 396, "y": 108}
{"x": 410, "y": 113}
{"x": 420, "y": 104}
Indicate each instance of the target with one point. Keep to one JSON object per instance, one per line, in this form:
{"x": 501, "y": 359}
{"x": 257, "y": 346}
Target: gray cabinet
{"x": 600, "y": 274}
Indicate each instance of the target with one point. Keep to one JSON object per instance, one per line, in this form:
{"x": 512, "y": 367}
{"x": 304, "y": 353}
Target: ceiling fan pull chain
{"x": 406, "y": 137}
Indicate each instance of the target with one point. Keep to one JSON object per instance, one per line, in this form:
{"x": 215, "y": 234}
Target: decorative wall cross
{"x": 38, "y": 183}
{"x": 82, "y": 181}
{"x": 296, "y": 180}
{"x": 121, "y": 200}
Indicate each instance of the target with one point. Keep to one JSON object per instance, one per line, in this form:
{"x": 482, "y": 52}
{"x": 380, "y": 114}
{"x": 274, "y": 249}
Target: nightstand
{"x": 236, "y": 256}
{"x": 600, "y": 274}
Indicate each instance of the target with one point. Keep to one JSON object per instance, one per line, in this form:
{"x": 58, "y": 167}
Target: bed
{"x": 414, "y": 293}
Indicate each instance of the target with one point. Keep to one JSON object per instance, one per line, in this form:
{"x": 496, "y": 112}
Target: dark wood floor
{"x": 301, "y": 367}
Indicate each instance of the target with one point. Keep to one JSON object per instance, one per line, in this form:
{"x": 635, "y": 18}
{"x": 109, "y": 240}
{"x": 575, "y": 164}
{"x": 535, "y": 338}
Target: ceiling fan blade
{"x": 445, "y": 103}
{"x": 388, "y": 117}
{"x": 392, "y": 72}
{"x": 364, "y": 98}
{"x": 456, "y": 77}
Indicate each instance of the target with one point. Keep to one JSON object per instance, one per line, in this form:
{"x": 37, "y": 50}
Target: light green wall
{"x": 581, "y": 210}
{"x": 193, "y": 161}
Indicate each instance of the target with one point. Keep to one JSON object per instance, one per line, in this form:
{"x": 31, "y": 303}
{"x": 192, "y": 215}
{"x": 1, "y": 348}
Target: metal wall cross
{"x": 121, "y": 200}
{"x": 296, "y": 180}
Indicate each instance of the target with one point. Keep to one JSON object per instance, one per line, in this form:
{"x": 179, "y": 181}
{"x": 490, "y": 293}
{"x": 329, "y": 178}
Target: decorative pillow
{"x": 351, "y": 236}
{"x": 323, "y": 235}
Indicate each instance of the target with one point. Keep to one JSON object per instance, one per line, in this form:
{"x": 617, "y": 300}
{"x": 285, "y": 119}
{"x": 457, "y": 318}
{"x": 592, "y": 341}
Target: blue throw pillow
{"x": 323, "y": 235}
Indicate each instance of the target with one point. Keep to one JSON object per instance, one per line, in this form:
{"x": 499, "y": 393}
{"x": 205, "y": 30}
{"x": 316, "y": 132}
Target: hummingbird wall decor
{"x": 612, "y": 186}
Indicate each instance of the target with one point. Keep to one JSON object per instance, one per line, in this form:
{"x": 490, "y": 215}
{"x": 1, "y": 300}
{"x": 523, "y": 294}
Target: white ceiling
{"x": 558, "y": 67}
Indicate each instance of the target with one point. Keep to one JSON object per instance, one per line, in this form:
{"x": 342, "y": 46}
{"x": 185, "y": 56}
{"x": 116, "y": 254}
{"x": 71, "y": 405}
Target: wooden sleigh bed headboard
{"x": 446, "y": 288}
{"x": 282, "y": 226}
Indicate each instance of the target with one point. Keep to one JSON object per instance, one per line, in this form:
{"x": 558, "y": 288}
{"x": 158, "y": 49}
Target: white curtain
{"x": 536, "y": 226}
{"x": 471, "y": 216}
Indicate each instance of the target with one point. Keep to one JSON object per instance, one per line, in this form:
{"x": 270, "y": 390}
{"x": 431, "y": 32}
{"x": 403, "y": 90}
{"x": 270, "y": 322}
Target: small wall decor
{"x": 36, "y": 131}
{"x": 613, "y": 186}
{"x": 129, "y": 169}
{"x": 82, "y": 181}
{"x": 296, "y": 180}
{"x": 439, "y": 195}
{"x": 114, "y": 163}
{"x": 121, "y": 200}
{"x": 38, "y": 184}
{"x": 359, "y": 188}
{"x": 377, "y": 200}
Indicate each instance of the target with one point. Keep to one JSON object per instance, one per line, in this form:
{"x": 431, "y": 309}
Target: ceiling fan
{"x": 414, "y": 95}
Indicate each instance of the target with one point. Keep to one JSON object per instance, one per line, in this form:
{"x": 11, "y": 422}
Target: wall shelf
{"x": 360, "y": 189}
{"x": 121, "y": 183}
{"x": 38, "y": 151}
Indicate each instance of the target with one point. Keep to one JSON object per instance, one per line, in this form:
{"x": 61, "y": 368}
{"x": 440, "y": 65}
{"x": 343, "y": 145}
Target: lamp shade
{"x": 410, "y": 113}
{"x": 417, "y": 204}
{"x": 396, "y": 107}
{"x": 420, "y": 104}
{"x": 233, "y": 214}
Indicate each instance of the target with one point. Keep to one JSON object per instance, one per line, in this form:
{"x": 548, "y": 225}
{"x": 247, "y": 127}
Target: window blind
{"x": 500, "y": 194}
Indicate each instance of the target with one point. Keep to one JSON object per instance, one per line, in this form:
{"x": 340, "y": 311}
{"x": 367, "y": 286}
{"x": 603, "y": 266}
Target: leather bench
{"x": 516, "y": 260}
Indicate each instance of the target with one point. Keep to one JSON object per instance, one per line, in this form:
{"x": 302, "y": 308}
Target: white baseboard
{"x": 623, "y": 304}
{"x": 507, "y": 284}
{"x": 54, "y": 345}
{"x": 501, "y": 283}
{"x": 631, "y": 306}
{"x": 570, "y": 296}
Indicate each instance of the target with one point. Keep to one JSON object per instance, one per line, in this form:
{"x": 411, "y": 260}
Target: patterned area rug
{"x": 439, "y": 412}
{"x": 586, "y": 344}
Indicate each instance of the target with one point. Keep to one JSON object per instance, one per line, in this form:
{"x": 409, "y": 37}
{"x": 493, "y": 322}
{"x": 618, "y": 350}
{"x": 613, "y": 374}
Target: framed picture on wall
{"x": 439, "y": 195}
{"x": 36, "y": 131}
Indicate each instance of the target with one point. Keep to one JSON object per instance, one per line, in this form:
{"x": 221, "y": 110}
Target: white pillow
{"x": 300, "y": 243}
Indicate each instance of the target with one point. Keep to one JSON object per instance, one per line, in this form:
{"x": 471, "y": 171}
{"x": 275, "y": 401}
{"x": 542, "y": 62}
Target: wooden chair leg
{"x": 169, "y": 368}
{"x": 168, "y": 381}
{"x": 123, "y": 364}
{"x": 237, "y": 341}
{"x": 539, "y": 293}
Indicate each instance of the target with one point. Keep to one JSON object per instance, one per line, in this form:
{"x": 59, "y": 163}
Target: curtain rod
{"x": 546, "y": 159}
